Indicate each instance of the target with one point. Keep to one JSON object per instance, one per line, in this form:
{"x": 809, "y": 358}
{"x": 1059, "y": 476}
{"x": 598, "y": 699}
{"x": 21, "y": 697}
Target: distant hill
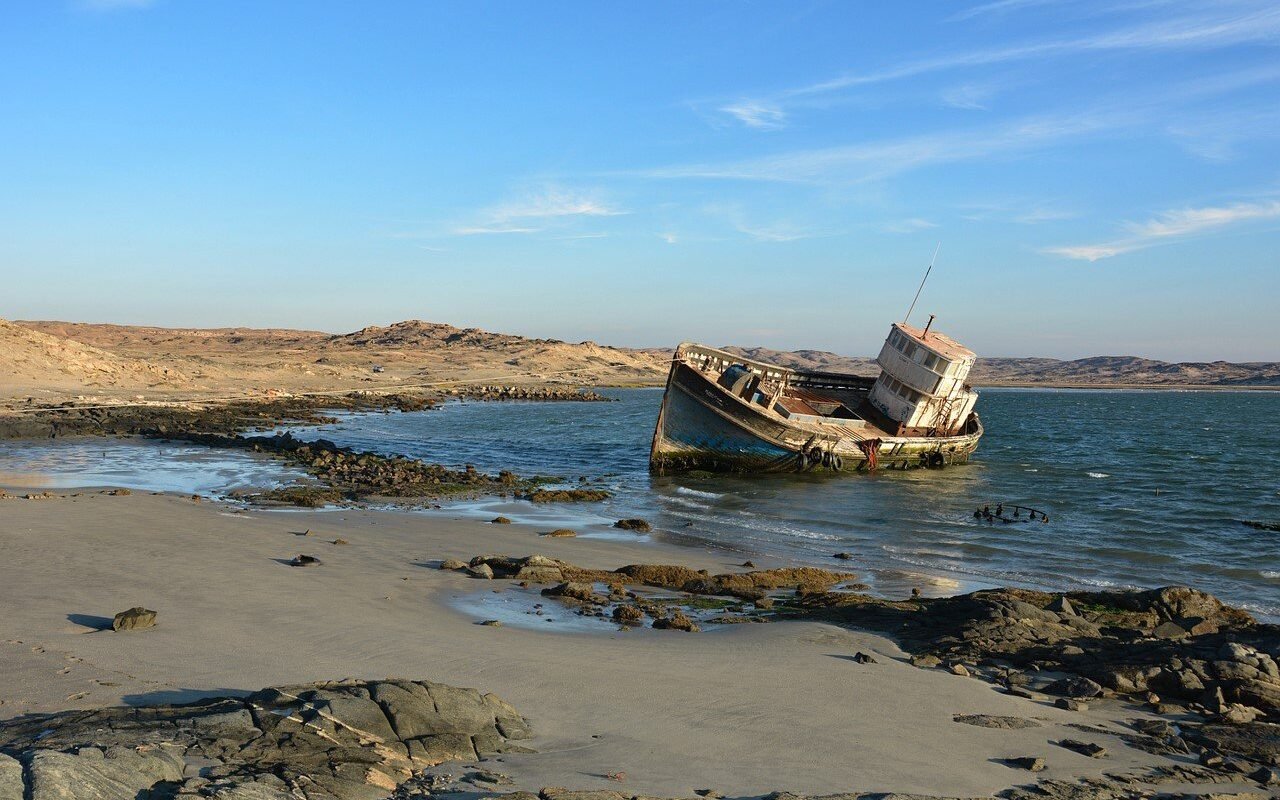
{"x": 259, "y": 360}
{"x": 1093, "y": 371}
{"x": 65, "y": 359}
{"x": 30, "y": 358}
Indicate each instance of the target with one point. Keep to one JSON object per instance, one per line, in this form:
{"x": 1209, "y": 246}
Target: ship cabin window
{"x": 902, "y": 390}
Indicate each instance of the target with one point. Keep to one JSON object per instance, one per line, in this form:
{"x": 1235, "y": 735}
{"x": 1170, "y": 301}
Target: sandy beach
{"x": 743, "y": 709}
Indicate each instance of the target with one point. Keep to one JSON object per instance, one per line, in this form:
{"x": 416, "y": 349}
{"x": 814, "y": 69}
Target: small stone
{"x": 482, "y": 571}
{"x": 1061, "y": 605}
{"x": 678, "y": 621}
{"x": 1068, "y": 704}
{"x": 561, "y": 533}
{"x": 492, "y": 623}
{"x": 341, "y": 542}
{"x": 749, "y": 564}
{"x": 1267, "y": 776}
{"x": 925, "y": 660}
{"x": 959, "y": 669}
{"x": 1209, "y": 759}
{"x": 305, "y": 561}
{"x": 843, "y": 556}
{"x": 1169, "y": 630}
{"x": 500, "y": 521}
{"x": 1084, "y": 748}
{"x": 452, "y": 563}
{"x": 764, "y": 603}
{"x": 863, "y": 658}
{"x": 628, "y": 615}
{"x": 135, "y": 619}
{"x": 633, "y": 525}
{"x": 1074, "y": 687}
{"x": 1026, "y": 762}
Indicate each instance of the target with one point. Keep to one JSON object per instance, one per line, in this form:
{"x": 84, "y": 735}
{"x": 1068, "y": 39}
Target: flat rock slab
{"x": 995, "y": 721}
{"x": 346, "y": 740}
{"x": 11, "y": 785}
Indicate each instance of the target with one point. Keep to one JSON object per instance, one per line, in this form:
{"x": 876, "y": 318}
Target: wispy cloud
{"x": 1218, "y": 27}
{"x": 1188, "y": 32}
{"x": 997, "y": 7}
{"x": 872, "y": 160}
{"x": 115, "y": 5}
{"x": 534, "y": 212}
{"x": 1022, "y": 212}
{"x": 669, "y": 238}
{"x": 969, "y": 96}
{"x": 755, "y": 114}
{"x": 911, "y": 225}
{"x": 554, "y": 203}
{"x": 482, "y": 230}
{"x": 1172, "y": 226}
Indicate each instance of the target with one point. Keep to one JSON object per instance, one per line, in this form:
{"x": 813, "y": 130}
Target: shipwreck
{"x": 725, "y": 413}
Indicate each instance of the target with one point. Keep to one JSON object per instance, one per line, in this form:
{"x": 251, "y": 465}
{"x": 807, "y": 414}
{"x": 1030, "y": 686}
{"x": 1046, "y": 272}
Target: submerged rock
{"x": 678, "y": 621}
{"x": 633, "y": 525}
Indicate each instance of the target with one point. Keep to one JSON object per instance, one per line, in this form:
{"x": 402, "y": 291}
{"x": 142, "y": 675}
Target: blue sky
{"x": 1102, "y": 178}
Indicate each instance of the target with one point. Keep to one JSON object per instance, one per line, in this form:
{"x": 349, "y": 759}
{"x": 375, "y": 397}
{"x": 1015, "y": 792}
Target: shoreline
{"x": 233, "y": 618}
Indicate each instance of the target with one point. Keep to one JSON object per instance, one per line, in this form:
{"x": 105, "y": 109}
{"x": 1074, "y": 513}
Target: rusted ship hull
{"x": 704, "y": 427}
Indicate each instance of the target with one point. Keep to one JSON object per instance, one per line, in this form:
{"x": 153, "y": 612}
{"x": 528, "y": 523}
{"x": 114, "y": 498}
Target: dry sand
{"x": 744, "y": 709}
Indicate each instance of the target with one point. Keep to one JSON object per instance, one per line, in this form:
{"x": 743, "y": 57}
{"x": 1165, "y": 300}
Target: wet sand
{"x": 745, "y": 709}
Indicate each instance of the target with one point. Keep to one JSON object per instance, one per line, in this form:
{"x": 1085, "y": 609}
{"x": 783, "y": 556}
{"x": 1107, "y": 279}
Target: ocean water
{"x": 1143, "y": 488}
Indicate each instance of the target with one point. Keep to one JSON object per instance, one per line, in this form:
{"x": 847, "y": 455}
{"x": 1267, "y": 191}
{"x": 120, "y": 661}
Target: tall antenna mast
{"x": 922, "y": 280}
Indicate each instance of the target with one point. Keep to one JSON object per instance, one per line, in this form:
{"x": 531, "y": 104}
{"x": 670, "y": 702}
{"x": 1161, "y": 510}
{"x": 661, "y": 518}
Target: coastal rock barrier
{"x": 351, "y": 474}
{"x": 355, "y": 740}
{"x": 131, "y": 419}
{"x": 531, "y": 393}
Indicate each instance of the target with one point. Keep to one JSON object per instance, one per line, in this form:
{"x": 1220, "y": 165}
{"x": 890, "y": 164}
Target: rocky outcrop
{"x": 348, "y": 739}
{"x": 1176, "y": 642}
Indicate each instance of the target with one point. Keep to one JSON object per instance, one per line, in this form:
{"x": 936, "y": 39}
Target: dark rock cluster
{"x": 235, "y": 417}
{"x": 593, "y": 591}
{"x": 534, "y": 393}
{"x": 566, "y": 496}
{"x": 1173, "y": 648}
{"x": 351, "y": 474}
{"x": 349, "y": 739}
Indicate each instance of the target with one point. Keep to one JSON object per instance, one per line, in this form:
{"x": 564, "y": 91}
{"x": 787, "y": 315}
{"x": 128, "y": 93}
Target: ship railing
{"x": 719, "y": 360}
